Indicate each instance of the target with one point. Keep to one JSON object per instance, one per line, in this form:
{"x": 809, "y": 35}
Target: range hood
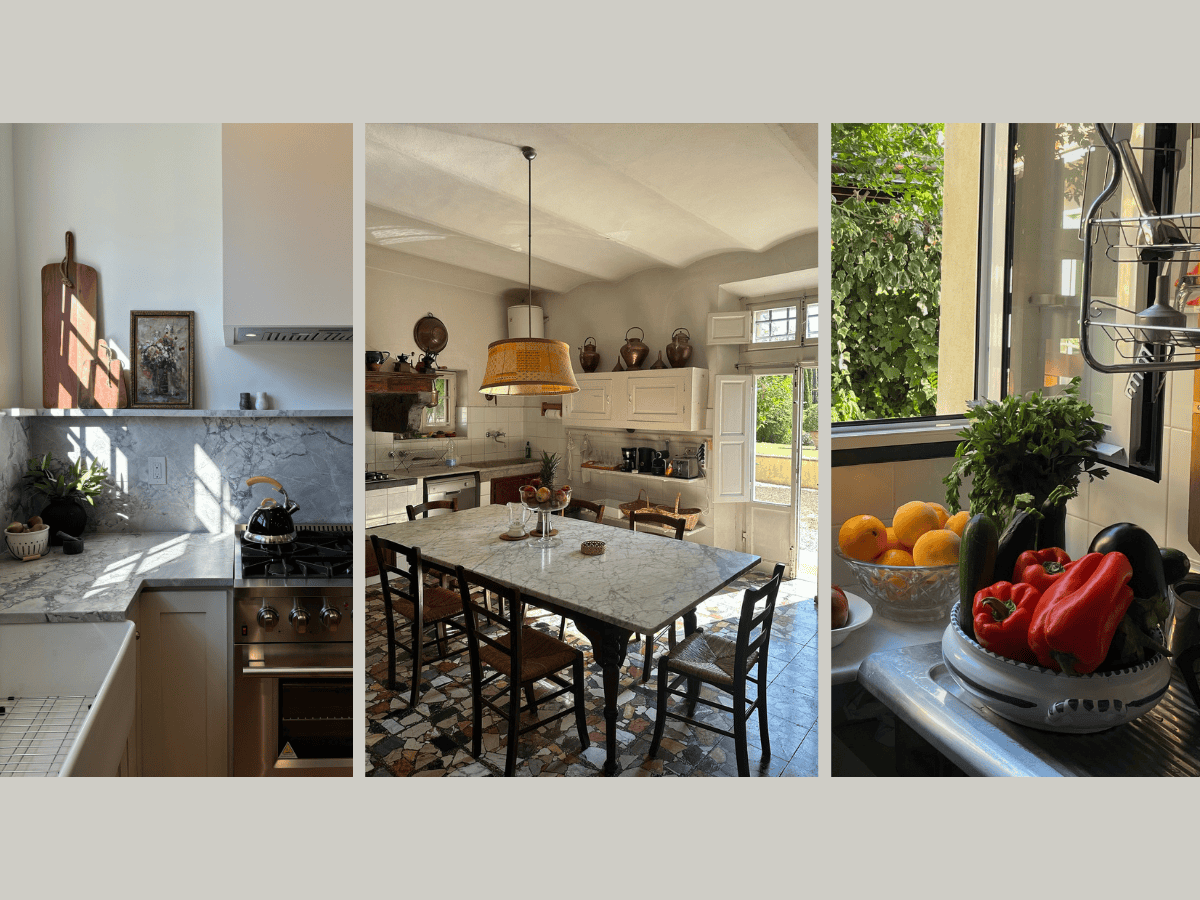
{"x": 292, "y": 334}
{"x": 287, "y": 233}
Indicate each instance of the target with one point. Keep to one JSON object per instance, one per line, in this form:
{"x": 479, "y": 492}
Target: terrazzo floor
{"x": 433, "y": 739}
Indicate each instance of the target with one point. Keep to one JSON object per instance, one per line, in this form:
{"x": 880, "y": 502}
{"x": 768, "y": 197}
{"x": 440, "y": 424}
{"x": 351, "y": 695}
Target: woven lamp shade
{"x": 528, "y": 366}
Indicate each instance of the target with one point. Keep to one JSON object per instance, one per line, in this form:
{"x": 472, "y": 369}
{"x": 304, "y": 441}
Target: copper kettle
{"x": 635, "y": 350}
{"x": 589, "y": 359}
{"x": 679, "y": 351}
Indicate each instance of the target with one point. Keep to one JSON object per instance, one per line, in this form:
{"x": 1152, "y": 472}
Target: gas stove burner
{"x": 378, "y": 476}
{"x": 313, "y": 554}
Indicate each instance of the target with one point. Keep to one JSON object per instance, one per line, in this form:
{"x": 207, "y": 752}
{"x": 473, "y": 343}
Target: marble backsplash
{"x": 14, "y": 455}
{"x": 207, "y": 463}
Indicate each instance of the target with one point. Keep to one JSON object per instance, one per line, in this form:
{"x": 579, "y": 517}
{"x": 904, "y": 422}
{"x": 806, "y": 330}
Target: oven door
{"x": 293, "y": 709}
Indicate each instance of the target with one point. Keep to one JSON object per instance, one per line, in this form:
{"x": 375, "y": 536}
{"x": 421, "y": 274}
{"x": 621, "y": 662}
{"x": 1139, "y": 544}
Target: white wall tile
{"x": 1178, "y": 499}
{"x": 863, "y": 490}
{"x": 1129, "y": 498}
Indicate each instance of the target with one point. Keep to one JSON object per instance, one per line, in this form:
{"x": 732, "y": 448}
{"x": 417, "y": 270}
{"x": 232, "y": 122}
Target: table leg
{"x": 693, "y": 684}
{"x": 609, "y": 644}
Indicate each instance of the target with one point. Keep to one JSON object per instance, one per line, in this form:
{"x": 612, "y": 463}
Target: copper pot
{"x": 635, "y": 351}
{"x": 679, "y": 351}
{"x": 589, "y": 359}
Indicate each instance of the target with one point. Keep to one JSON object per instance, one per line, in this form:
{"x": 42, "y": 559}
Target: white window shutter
{"x": 729, "y": 327}
{"x": 732, "y": 467}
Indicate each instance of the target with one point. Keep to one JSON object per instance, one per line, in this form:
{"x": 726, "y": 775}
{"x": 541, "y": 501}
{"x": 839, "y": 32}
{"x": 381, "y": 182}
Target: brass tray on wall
{"x": 430, "y": 334}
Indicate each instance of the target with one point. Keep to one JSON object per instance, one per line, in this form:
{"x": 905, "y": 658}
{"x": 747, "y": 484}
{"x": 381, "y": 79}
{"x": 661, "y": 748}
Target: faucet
{"x": 1189, "y": 286}
{"x": 497, "y": 435}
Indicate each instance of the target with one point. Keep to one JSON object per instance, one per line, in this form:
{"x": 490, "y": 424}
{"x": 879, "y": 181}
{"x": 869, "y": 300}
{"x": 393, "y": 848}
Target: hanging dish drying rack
{"x": 1158, "y": 338}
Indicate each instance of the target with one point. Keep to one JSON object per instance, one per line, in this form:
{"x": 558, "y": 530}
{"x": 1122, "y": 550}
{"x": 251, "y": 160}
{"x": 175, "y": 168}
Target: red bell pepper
{"x": 1041, "y": 568}
{"x": 1078, "y": 615}
{"x": 1001, "y": 614}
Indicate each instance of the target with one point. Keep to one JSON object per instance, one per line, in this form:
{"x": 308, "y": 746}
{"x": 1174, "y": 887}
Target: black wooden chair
{"x": 422, "y": 509}
{"x": 678, "y": 524}
{"x": 406, "y": 594}
{"x": 726, "y": 665}
{"x": 521, "y": 656}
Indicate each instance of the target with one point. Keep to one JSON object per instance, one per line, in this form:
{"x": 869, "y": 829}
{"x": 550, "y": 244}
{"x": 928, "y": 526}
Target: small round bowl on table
{"x": 544, "y": 540}
{"x": 907, "y": 593}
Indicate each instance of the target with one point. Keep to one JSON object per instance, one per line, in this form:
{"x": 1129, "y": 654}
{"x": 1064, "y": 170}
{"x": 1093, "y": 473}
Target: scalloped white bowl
{"x": 860, "y": 614}
{"x": 1048, "y": 700}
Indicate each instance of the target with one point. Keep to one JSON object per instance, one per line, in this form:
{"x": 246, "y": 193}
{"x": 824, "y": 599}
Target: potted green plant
{"x": 66, "y": 485}
{"x": 1027, "y": 454}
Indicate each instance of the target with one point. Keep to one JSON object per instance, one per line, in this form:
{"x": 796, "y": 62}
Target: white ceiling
{"x": 608, "y": 200}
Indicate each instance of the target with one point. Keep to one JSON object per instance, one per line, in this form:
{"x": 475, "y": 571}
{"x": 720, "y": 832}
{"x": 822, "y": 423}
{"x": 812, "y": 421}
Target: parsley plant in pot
{"x": 1027, "y": 454}
{"x": 66, "y": 486}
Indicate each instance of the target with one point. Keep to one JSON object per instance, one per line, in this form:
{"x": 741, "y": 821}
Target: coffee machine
{"x": 629, "y": 459}
{"x": 645, "y": 458}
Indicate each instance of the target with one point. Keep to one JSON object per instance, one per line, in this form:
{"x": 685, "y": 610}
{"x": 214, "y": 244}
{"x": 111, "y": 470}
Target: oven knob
{"x": 330, "y": 618}
{"x": 268, "y": 618}
{"x": 299, "y": 619}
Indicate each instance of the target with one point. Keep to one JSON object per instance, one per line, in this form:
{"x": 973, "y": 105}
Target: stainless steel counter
{"x": 913, "y": 682}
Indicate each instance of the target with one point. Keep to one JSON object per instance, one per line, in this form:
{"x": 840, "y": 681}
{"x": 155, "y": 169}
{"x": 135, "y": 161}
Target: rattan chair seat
{"x": 541, "y": 654}
{"x": 440, "y": 603}
{"x": 708, "y": 657}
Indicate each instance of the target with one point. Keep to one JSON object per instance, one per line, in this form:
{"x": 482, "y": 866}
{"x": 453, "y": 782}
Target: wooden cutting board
{"x": 108, "y": 389}
{"x": 69, "y": 351}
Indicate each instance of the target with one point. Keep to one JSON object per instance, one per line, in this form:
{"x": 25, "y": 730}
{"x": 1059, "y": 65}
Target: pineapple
{"x": 549, "y": 473}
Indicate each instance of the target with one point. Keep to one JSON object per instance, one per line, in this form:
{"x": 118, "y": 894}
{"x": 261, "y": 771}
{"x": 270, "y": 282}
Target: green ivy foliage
{"x": 774, "y": 400}
{"x": 886, "y": 272}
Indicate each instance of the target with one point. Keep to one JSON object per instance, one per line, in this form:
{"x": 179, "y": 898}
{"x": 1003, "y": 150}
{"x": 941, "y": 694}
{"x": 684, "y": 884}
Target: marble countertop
{"x": 99, "y": 584}
{"x": 486, "y": 471}
{"x": 641, "y": 582}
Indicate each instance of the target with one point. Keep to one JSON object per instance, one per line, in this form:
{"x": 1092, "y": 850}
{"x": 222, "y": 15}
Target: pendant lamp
{"x": 529, "y": 366}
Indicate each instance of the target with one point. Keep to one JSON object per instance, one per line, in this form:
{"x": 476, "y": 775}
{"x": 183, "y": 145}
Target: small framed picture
{"x": 162, "y": 359}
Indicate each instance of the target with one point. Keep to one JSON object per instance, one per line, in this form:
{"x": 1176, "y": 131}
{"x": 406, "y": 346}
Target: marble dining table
{"x": 640, "y": 584}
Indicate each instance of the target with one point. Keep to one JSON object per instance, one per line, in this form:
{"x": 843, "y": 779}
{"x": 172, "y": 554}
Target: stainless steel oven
{"x": 293, "y": 661}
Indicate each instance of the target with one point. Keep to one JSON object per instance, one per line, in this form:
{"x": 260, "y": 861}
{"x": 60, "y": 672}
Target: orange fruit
{"x": 912, "y": 520}
{"x": 894, "y": 558}
{"x": 941, "y": 512}
{"x": 957, "y": 522}
{"x": 862, "y": 537}
{"x": 892, "y": 542}
{"x": 936, "y": 548}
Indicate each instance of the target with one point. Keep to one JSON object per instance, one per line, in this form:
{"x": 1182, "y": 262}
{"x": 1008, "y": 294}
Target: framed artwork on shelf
{"x": 162, "y": 359}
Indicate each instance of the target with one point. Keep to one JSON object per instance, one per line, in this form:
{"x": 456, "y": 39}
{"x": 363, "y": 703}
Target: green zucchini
{"x": 976, "y": 565}
{"x": 1019, "y": 536}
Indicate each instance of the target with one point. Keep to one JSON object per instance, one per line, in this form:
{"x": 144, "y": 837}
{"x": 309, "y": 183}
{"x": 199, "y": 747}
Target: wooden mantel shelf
{"x": 395, "y": 383}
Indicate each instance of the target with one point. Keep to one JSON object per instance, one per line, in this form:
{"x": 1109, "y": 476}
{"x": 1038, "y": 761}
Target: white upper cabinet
{"x": 660, "y": 399}
{"x": 730, "y": 327}
{"x": 593, "y": 403}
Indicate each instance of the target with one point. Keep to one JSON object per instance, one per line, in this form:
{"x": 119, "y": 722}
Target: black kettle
{"x": 271, "y": 523}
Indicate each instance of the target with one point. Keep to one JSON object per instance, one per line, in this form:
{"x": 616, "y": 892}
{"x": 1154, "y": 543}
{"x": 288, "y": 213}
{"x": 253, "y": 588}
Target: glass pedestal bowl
{"x": 558, "y": 501}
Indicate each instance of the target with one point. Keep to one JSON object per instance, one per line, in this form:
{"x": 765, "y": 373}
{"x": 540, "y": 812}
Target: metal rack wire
{"x": 1158, "y": 338}
{"x": 37, "y": 733}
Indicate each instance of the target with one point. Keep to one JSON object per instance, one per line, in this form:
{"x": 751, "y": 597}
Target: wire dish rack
{"x": 37, "y": 733}
{"x": 1159, "y": 338}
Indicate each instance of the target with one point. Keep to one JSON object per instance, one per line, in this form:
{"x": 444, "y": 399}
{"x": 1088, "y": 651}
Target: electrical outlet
{"x": 157, "y": 470}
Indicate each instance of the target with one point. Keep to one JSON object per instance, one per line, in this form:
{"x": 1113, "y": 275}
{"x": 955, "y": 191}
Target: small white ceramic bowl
{"x": 860, "y": 614}
{"x": 29, "y": 543}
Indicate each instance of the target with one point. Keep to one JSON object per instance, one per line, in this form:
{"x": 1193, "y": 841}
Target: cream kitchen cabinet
{"x": 658, "y": 399}
{"x": 184, "y": 688}
{"x": 388, "y": 505}
{"x": 593, "y": 403}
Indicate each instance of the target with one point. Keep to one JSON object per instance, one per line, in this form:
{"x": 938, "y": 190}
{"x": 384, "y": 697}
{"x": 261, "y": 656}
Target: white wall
{"x": 10, "y": 306}
{"x": 145, "y": 205}
{"x": 401, "y": 289}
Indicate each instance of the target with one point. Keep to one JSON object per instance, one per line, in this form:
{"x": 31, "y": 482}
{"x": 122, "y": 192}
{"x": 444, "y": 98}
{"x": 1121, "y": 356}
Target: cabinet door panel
{"x": 594, "y": 400}
{"x": 185, "y": 652}
{"x": 660, "y": 399}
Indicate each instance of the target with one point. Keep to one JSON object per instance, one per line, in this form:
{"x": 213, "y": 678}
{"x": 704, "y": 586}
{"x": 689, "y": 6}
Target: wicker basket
{"x": 690, "y": 515}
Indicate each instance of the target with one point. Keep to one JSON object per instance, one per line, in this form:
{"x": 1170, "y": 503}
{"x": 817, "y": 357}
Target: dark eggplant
{"x": 1176, "y": 564}
{"x": 1019, "y": 536}
{"x": 1141, "y": 550}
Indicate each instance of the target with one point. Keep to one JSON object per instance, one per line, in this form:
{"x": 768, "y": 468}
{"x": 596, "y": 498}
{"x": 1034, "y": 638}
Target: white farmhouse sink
{"x": 76, "y": 659}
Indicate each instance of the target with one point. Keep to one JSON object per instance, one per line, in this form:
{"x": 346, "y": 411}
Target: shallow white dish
{"x": 860, "y": 614}
{"x": 1048, "y": 700}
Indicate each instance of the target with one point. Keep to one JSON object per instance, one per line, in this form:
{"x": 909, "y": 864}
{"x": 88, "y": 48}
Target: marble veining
{"x": 99, "y": 584}
{"x": 14, "y": 455}
{"x": 208, "y": 462}
{"x": 641, "y": 582}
